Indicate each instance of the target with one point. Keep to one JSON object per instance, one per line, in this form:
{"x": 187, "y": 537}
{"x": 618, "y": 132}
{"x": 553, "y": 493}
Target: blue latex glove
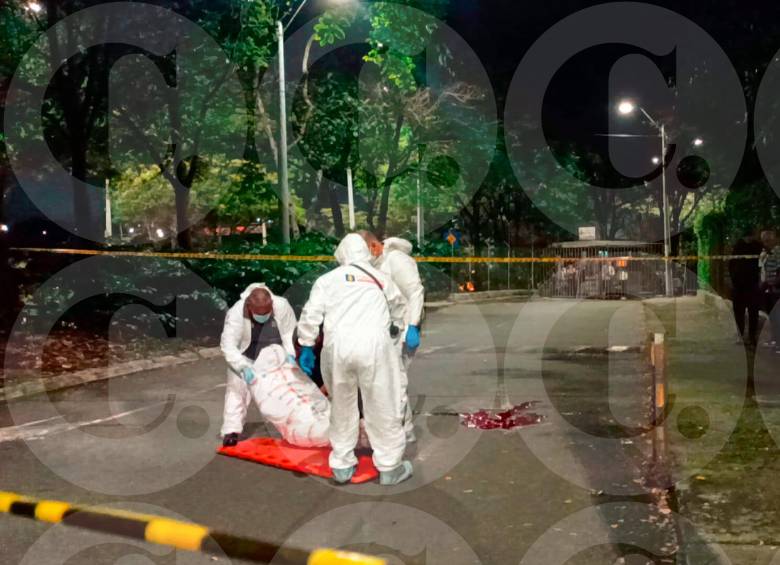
{"x": 248, "y": 374}
{"x": 307, "y": 360}
{"x": 412, "y": 337}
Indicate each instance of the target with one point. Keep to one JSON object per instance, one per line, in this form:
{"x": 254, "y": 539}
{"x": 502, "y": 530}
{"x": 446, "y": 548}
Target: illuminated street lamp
{"x": 656, "y": 160}
{"x": 34, "y": 7}
{"x": 626, "y": 108}
{"x": 698, "y": 142}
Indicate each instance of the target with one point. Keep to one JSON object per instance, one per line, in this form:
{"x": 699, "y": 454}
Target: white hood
{"x": 352, "y": 249}
{"x": 248, "y": 290}
{"x": 397, "y": 244}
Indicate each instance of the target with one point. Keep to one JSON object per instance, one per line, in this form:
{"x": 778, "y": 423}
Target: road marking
{"x": 19, "y": 432}
{"x": 35, "y": 422}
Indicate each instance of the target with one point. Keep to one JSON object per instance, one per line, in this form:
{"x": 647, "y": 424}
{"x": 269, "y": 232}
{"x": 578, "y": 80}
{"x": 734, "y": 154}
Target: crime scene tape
{"x": 174, "y": 533}
{"x": 330, "y": 258}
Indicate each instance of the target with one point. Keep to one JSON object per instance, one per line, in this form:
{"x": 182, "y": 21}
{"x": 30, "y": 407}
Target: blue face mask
{"x": 261, "y": 318}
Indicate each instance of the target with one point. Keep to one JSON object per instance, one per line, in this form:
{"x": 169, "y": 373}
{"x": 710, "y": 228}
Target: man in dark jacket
{"x": 746, "y": 282}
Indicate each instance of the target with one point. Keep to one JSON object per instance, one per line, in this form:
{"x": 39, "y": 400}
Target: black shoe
{"x": 230, "y": 440}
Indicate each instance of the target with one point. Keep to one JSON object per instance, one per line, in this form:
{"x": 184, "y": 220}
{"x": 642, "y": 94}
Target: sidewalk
{"x": 721, "y": 435}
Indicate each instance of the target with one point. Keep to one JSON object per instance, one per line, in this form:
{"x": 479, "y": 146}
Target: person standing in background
{"x": 393, "y": 257}
{"x": 769, "y": 263}
{"x": 745, "y": 282}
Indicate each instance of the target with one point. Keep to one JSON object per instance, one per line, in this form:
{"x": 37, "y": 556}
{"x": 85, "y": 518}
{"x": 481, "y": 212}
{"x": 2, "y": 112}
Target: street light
{"x": 625, "y": 108}
{"x": 698, "y": 142}
{"x": 284, "y": 181}
{"x": 656, "y": 160}
{"x": 34, "y": 7}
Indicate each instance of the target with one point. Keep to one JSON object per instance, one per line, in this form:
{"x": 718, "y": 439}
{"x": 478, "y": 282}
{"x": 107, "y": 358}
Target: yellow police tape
{"x": 330, "y": 258}
{"x": 173, "y": 533}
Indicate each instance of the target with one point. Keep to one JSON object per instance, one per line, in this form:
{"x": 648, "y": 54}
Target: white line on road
{"x": 19, "y": 433}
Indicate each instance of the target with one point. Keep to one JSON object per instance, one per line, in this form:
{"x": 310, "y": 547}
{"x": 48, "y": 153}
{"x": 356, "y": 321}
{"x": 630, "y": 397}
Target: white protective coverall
{"x": 397, "y": 262}
{"x": 358, "y": 353}
{"x": 236, "y": 336}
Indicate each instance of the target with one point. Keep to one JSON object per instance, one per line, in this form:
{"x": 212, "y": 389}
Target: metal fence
{"x": 611, "y": 269}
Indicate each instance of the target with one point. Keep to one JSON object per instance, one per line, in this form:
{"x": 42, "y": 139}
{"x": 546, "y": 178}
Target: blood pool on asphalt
{"x": 515, "y": 417}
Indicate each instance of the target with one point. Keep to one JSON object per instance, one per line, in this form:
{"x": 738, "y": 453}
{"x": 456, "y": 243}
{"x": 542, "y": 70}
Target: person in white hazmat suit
{"x": 393, "y": 257}
{"x": 358, "y": 304}
{"x": 257, "y": 320}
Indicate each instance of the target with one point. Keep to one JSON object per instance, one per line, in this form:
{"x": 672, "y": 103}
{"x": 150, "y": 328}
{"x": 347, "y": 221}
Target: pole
{"x": 665, "y": 212}
{"x": 533, "y": 286}
{"x": 351, "y": 199}
{"x": 419, "y": 198}
{"x": 489, "y": 265}
{"x": 283, "y": 179}
{"x": 109, "y": 229}
{"x": 508, "y": 256}
{"x": 452, "y": 269}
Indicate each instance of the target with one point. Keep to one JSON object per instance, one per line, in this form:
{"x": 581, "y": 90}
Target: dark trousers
{"x": 750, "y": 300}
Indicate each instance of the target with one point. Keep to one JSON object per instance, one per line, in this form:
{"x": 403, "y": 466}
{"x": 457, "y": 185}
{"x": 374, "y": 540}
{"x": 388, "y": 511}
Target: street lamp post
{"x": 284, "y": 185}
{"x": 625, "y": 108}
{"x": 667, "y": 227}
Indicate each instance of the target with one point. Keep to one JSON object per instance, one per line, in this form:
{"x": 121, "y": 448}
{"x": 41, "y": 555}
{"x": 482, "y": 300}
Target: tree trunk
{"x": 335, "y": 207}
{"x": 388, "y": 182}
{"x": 183, "y": 232}
{"x": 316, "y": 203}
{"x": 296, "y": 231}
{"x": 10, "y": 305}
{"x": 82, "y": 207}
{"x": 250, "y": 147}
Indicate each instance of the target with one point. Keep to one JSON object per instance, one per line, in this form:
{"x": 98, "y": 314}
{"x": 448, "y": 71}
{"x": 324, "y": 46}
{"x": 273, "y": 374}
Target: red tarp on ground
{"x": 309, "y": 460}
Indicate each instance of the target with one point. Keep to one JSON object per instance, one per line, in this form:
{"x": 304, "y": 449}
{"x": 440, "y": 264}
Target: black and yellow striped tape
{"x": 174, "y": 533}
{"x": 330, "y": 258}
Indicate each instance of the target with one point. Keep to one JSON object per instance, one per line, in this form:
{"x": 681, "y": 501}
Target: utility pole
{"x": 350, "y": 199}
{"x": 109, "y": 232}
{"x": 284, "y": 185}
{"x": 420, "y": 229}
{"x": 667, "y": 227}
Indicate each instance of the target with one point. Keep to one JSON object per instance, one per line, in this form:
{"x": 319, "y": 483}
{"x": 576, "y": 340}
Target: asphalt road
{"x": 571, "y": 489}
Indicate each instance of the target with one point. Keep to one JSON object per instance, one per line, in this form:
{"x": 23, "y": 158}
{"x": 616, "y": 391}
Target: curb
{"x": 67, "y": 380}
{"x": 488, "y": 295}
{"x": 477, "y": 297}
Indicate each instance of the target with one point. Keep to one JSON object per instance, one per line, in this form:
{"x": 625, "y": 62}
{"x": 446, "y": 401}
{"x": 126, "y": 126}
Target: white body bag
{"x": 290, "y": 400}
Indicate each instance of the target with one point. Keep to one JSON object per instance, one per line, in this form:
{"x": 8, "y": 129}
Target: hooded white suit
{"x": 236, "y": 336}
{"x": 358, "y": 353}
{"x": 397, "y": 262}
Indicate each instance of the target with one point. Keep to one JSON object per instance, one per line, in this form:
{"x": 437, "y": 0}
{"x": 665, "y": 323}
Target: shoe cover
{"x": 342, "y": 476}
{"x": 397, "y": 475}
